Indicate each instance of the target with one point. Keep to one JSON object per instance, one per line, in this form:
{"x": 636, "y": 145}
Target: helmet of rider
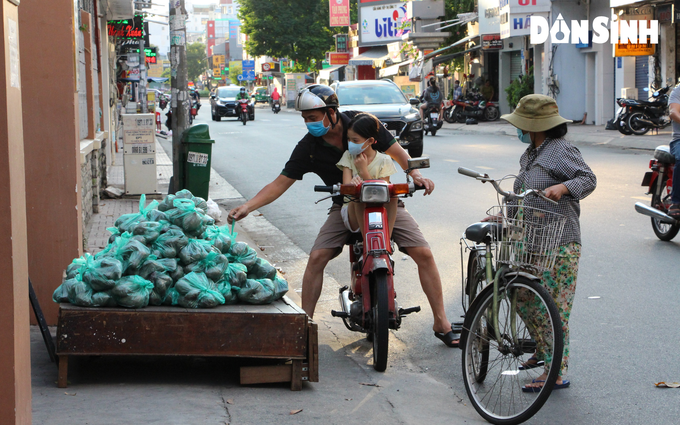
{"x": 242, "y": 89}
{"x": 316, "y": 96}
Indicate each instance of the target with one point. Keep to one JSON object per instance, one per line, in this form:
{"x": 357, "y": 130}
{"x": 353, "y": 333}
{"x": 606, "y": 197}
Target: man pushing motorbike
{"x": 319, "y": 152}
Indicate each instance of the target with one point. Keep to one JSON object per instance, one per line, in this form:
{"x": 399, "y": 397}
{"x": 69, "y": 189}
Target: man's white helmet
{"x": 316, "y": 96}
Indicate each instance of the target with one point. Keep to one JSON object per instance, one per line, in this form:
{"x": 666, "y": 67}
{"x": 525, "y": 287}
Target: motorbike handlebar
{"x": 323, "y": 189}
{"x": 416, "y": 187}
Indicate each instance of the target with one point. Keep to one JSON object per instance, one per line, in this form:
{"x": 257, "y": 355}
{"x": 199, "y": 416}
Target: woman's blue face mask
{"x": 317, "y": 129}
{"x": 524, "y": 138}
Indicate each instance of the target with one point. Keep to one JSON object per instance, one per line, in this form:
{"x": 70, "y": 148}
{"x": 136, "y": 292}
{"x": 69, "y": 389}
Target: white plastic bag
{"x": 415, "y": 74}
{"x": 214, "y": 210}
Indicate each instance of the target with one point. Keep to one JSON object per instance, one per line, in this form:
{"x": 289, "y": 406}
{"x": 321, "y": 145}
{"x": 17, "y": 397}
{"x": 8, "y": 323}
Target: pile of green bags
{"x": 171, "y": 253}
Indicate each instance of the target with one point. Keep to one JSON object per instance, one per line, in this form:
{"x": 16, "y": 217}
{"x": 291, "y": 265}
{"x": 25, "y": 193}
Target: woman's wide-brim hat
{"x": 535, "y": 112}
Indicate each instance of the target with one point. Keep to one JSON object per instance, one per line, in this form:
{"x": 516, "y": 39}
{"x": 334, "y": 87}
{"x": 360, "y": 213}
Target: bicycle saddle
{"x": 479, "y": 231}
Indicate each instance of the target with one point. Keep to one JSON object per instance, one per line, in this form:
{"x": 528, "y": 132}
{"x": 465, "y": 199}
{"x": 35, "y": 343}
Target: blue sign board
{"x": 248, "y": 70}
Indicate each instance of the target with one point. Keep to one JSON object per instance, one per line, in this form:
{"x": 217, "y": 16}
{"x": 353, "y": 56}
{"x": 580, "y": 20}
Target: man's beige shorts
{"x": 334, "y": 234}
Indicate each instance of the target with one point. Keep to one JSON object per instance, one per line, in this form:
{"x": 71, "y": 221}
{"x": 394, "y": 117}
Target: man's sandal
{"x": 674, "y": 211}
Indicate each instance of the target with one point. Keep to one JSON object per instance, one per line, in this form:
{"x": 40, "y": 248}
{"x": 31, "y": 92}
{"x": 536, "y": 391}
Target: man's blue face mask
{"x": 317, "y": 129}
{"x": 524, "y": 138}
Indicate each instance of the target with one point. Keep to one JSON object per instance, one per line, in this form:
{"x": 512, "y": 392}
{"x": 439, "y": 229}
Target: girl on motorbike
{"x": 361, "y": 162}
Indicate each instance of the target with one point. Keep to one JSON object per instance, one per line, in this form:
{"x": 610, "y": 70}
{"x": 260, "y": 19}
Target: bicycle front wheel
{"x": 528, "y": 324}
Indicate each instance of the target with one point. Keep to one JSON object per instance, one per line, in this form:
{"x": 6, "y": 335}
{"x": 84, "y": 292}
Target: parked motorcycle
{"x": 621, "y": 120}
{"x": 432, "y": 121}
{"x": 276, "y": 106}
{"x": 369, "y": 303}
{"x": 645, "y": 115}
{"x": 472, "y": 106}
{"x": 660, "y": 183}
{"x": 243, "y": 115}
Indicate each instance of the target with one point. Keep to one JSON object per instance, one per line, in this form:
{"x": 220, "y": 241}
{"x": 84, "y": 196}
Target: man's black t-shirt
{"x": 315, "y": 155}
{"x": 432, "y": 95}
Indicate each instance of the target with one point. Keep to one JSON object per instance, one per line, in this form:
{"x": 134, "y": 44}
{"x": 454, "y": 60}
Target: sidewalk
{"x": 577, "y": 134}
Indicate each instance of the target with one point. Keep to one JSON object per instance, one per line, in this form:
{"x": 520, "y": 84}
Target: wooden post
{"x": 62, "y": 381}
{"x": 180, "y": 94}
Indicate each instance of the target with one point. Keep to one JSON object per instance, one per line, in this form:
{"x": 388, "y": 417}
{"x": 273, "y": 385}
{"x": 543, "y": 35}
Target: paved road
{"x": 624, "y": 336}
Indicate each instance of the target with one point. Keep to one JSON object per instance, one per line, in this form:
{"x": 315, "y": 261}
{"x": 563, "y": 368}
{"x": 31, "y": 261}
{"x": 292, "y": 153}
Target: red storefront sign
{"x": 339, "y": 11}
{"x": 339, "y": 58}
{"x": 211, "y": 29}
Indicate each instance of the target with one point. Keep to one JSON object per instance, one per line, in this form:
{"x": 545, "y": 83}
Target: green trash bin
{"x": 196, "y": 159}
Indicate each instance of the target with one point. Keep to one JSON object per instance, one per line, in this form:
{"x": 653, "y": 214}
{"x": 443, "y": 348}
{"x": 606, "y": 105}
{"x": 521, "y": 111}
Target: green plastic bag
{"x": 60, "y": 294}
{"x": 149, "y": 230}
{"x": 150, "y": 266}
{"x": 197, "y": 291}
{"x": 220, "y": 237}
{"x": 195, "y": 251}
{"x": 130, "y": 251}
{"x": 132, "y": 292}
{"x": 262, "y": 270}
{"x": 166, "y": 204}
{"x": 80, "y": 294}
{"x": 214, "y": 266}
{"x": 236, "y": 274}
{"x": 188, "y": 217}
{"x": 73, "y": 268}
{"x": 169, "y": 243}
{"x": 240, "y": 252}
{"x": 280, "y": 287}
{"x": 229, "y": 293}
{"x": 260, "y": 291}
{"x": 171, "y": 297}
{"x": 127, "y": 221}
{"x": 101, "y": 274}
{"x": 103, "y": 299}
{"x": 161, "y": 283}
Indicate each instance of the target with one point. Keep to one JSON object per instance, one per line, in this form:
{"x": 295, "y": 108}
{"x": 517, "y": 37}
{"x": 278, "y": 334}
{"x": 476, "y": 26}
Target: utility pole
{"x": 180, "y": 94}
{"x": 142, "y": 77}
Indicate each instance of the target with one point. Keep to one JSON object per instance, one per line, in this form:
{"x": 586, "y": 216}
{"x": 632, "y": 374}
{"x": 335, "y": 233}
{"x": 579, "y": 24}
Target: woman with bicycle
{"x": 553, "y": 165}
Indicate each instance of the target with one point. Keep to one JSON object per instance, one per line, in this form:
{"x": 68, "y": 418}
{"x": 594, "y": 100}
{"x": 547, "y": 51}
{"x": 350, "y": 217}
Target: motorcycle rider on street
{"x": 243, "y": 94}
{"x": 431, "y": 95}
{"x": 319, "y": 152}
{"x": 674, "y": 115}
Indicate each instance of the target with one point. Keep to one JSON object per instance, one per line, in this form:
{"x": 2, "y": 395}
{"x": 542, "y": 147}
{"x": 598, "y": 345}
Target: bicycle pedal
{"x": 339, "y": 314}
{"x": 405, "y": 311}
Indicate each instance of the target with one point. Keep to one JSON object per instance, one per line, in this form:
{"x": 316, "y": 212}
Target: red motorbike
{"x": 473, "y": 106}
{"x": 243, "y": 115}
{"x": 369, "y": 304}
{"x": 660, "y": 183}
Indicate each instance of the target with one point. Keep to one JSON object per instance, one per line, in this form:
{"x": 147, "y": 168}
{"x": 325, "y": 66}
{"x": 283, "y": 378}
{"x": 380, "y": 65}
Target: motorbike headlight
{"x": 418, "y": 125}
{"x": 375, "y": 193}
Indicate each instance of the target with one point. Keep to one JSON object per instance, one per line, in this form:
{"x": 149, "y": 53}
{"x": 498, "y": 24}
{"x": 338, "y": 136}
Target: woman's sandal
{"x": 533, "y": 362}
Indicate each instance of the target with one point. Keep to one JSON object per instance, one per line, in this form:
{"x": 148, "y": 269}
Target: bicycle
{"x": 506, "y": 304}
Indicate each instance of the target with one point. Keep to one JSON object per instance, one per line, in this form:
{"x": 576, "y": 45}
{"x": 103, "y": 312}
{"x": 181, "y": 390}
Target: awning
{"x": 457, "y": 43}
{"x": 118, "y": 9}
{"x": 394, "y": 69}
{"x": 441, "y": 59}
{"x": 375, "y": 57}
{"x": 325, "y": 73}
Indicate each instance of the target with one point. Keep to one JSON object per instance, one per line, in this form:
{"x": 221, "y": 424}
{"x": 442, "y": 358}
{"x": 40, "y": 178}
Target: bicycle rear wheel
{"x": 491, "y": 371}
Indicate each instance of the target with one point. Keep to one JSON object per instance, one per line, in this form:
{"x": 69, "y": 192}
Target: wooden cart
{"x": 280, "y": 330}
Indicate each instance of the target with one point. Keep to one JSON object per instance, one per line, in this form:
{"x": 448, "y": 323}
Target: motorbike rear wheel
{"x": 663, "y": 231}
{"x": 380, "y": 325}
{"x": 491, "y": 113}
{"x": 634, "y": 124}
{"x": 449, "y": 117}
{"x": 622, "y": 125}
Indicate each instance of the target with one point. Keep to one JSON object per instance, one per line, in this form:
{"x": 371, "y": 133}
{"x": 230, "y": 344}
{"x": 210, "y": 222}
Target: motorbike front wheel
{"x": 636, "y": 127}
{"x": 459, "y": 116}
{"x": 663, "y": 231}
{"x": 244, "y": 117}
{"x": 381, "y": 314}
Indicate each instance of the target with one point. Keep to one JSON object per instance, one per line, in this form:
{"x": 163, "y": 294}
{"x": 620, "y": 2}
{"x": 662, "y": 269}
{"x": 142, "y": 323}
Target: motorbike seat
{"x": 479, "y": 231}
{"x": 663, "y": 154}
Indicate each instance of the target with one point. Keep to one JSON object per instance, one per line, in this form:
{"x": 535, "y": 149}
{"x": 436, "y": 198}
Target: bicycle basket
{"x": 530, "y": 236}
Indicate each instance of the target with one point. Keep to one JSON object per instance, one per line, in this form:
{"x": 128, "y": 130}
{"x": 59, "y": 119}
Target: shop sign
{"x": 128, "y": 28}
{"x": 515, "y": 15}
{"x": 630, "y": 49}
{"x": 341, "y": 43}
{"x": 664, "y": 14}
{"x": 218, "y": 59}
{"x": 339, "y": 58}
{"x": 492, "y": 41}
{"x": 489, "y": 16}
{"x": 379, "y": 25}
{"x": 339, "y": 13}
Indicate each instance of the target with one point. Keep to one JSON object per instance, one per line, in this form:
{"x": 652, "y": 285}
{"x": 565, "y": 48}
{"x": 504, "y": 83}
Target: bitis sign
{"x": 382, "y": 24}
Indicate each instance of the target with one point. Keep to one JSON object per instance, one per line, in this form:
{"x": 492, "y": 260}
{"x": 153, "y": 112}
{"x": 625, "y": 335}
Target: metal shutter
{"x": 642, "y": 76}
{"x": 515, "y": 65}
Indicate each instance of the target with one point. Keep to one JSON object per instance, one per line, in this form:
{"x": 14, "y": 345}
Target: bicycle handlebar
{"x": 507, "y": 194}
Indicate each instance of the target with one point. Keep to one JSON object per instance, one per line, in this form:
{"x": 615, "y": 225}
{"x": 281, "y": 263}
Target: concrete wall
{"x": 52, "y": 144}
{"x": 504, "y": 71}
{"x": 624, "y": 75}
{"x": 667, "y": 54}
{"x": 15, "y": 354}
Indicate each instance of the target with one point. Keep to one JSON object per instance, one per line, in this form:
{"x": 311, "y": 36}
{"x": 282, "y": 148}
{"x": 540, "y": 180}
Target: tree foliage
{"x": 520, "y": 87}
{"x": 294, "y": 29}
{"x": 451, "y": 10}
{"x": 234, "y": 72}
{"x": 197, "y": 62}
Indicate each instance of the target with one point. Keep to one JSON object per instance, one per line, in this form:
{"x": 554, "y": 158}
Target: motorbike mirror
{"x": 417, "y": 163}
{"x": 414, "y": 101}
